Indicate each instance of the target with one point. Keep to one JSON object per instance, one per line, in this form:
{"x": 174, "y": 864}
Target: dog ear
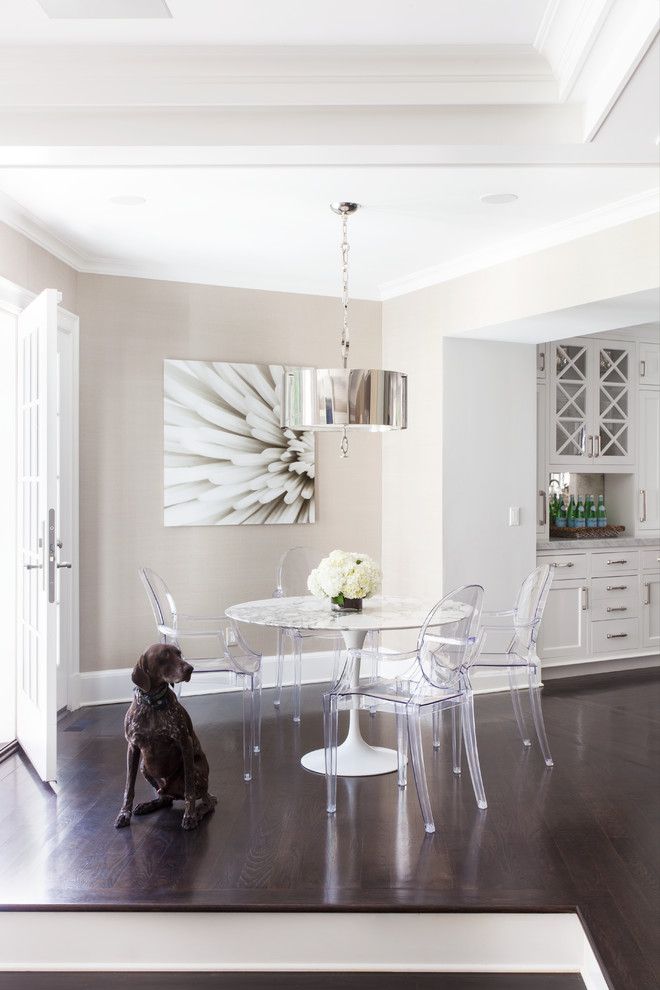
{"x": 140, "y": 675}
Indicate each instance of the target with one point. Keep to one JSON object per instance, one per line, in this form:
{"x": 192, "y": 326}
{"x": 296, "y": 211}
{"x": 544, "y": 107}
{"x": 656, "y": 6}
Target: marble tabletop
{"x": 597, "y": 543}
{"x": 311, "y": 613}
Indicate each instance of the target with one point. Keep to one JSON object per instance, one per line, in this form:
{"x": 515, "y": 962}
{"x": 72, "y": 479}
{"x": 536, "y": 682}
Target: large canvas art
{"x": 228, "y": 461}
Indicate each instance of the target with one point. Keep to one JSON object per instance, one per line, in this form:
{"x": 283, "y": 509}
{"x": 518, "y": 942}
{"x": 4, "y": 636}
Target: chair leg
{"x": 402, "y": 745}
{"x": 417, "y": 758}
{"x": 297, "y": 676}
{"x": 456, "y": 739}
{"x": 330, "y": 732}
{"x": 471, "y": 751}
{"x": 517, "y": 709}
{"x": 248, "y": 725}
{"x": 537, "y": 714}
{"x": 280, "y": 668}
{"x": 437, "y": 726}
{"x": 256, "y": 712}
{"x": 372, "y": 642}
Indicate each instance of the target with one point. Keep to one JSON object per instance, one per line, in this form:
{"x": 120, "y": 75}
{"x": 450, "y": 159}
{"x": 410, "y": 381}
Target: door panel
{"x": 613, "y": 422}
{"x": 563, "y": 632}
{"x": 36, "y": 700}
{"x": 648, "y": 468}
{"x": 651, "y": 611}
{"x": 569, "y": 403}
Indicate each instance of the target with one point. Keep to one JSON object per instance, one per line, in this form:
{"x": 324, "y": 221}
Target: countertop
{"x": 596, "y": 544}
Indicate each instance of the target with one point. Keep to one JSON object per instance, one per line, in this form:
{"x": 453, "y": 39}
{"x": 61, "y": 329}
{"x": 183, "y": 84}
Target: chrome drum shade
{"x": 333, "y": 398}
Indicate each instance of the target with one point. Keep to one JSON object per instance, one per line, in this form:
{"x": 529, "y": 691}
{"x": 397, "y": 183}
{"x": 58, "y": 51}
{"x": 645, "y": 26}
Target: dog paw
{"x": 123, "y": 819}
{"x": 144, "y": 808}
{"x": 190, "y": 821}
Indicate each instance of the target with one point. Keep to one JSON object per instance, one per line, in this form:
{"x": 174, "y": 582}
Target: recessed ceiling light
{"x": 105, "y": 9}
{"x": 128, "y": 200}
{"x": 498, "y": 199}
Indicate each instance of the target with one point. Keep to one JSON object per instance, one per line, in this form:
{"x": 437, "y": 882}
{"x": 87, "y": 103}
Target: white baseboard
{"x": 479, "y": 942}
{"x": 107, "y": 687}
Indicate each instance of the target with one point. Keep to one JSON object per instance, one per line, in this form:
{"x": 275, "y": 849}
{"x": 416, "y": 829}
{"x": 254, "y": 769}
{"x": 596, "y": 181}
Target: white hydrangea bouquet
{"x": 345, "y": 578}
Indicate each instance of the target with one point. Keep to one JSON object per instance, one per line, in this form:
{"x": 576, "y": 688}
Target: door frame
{"x": 13, "y": 300}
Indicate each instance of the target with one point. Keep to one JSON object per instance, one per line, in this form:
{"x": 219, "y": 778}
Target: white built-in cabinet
{"x": 591, "y": 412}
{"x": 648, "y": 461}
{"x": 598, "y": 409}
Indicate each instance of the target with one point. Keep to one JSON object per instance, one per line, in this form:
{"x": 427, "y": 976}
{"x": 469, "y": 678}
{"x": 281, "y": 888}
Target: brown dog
{"x": 159, "y": 730}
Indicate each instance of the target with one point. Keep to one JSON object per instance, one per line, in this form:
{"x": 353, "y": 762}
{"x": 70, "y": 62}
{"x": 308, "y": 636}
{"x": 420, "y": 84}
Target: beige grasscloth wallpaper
{"x": 128, "y": 326}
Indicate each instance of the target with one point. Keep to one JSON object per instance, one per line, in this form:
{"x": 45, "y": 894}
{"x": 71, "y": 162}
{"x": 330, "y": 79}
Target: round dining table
{"x": 355, "y": 757}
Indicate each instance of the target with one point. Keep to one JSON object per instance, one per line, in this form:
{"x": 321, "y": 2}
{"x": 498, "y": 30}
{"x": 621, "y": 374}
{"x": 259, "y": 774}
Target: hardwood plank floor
{"x": 291, "y": 981}
{"x": 583, "y": 835}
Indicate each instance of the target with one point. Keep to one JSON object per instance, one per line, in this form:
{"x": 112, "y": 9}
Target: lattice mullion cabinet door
{"x": 570, "y": 412}
{"x": 614, "y": 413}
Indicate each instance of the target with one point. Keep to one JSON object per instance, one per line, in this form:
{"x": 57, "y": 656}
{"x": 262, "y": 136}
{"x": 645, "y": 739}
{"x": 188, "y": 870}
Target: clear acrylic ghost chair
{"x": 292, "y": 572}
{"x": 436, "y": 676}
{"x": 523, "y": 625}
{"x": 239, "y": 662}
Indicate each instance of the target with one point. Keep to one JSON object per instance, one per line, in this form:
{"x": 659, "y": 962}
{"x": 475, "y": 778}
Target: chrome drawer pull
{"x": 568, "y": 564}
{"x": 619, "y": 608}
{"x": 647, "y": 600}
{"x": 642, "y": 517}
{"x": 585, "y": 599}
{"x": 617, "y": 562}
{"x": 617, "y": 635}
{"x": 617, "y": 587}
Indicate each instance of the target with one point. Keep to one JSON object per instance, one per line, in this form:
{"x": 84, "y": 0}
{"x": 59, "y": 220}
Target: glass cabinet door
{"x": 569, "y": 406}
{"x": 612, "y": 427}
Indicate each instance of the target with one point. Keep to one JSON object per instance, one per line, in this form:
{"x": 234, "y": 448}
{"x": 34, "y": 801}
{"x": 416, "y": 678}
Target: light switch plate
{"x": 514, "y": 515}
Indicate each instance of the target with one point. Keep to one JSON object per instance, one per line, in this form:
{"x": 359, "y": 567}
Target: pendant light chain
{"x": 345, "y": 341}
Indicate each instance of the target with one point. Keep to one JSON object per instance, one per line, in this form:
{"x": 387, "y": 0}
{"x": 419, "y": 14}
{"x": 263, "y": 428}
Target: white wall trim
{"x": 479, "y": 942}
{"x": 613, "y": 215}
{"x": 26, "y": 223}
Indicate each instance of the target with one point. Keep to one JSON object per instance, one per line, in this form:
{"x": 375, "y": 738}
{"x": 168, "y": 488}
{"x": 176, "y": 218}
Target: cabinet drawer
{"x": 615, "y": 635}
{"x": 619, "y": 608}
{"x": 566, "y": 565}
{"x": 651, "y": 559}
{"x": 615, "y": 589}
{"x": 614, "y": 561}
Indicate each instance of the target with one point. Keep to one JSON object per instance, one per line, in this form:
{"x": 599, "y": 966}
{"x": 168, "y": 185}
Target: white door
{"x": 570, "y": 443}
{"x": 541, "y": 461}
{"x": 564, "y": 629}
{"x": 613, "y": 413}
{"x": 648, "y": 464}
{"x": 37, "y": 634}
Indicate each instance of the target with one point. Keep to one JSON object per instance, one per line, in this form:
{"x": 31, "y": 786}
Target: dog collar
{"x": 155, "y": 699}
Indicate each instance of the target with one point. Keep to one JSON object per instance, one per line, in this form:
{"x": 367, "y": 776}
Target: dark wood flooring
{"x": 584, "y": 835}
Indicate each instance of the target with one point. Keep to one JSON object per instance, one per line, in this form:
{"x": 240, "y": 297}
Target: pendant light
{"x": 344, "y": 398}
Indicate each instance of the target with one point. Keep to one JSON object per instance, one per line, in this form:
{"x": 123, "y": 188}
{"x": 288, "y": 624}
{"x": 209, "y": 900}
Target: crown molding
{"x": 205, "y": 76}
{"x": 567, "y": 33}
{"x": 24, "y": 222}
{"x": 612, "y": 215}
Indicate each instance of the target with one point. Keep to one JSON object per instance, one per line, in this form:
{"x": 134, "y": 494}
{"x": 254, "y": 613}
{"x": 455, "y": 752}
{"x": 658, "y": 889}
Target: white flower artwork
{"x": 228, "y": 462}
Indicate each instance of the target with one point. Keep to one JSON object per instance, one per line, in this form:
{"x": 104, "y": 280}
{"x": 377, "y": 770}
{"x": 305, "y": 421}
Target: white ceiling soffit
{"x": 605, "y": 315}
{"x": 104, "y": 9}
{"x": 272, "y": 228}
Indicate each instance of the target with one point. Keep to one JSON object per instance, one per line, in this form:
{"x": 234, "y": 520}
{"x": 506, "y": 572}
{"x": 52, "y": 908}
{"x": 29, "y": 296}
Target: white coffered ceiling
{"x": 289, "y": 22}
{"x": 239, "y": 123}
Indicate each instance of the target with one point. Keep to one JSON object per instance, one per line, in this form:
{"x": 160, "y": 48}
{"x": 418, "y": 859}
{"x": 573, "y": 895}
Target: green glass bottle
{"x": 580, "y": 521}
{"x": 570, "y": 513}
{"x": 590, "y": 513}
{"x": 601, "y": 513}
{"x": 552, "y": 509}
{"x": 560, "y": 520}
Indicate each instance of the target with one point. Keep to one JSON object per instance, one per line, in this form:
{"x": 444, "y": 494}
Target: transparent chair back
{"x": 528, "y": 610}
{"x": 160, "y": 599}
{"x": 446, "y": 649}
{"x": 293, "y": 570}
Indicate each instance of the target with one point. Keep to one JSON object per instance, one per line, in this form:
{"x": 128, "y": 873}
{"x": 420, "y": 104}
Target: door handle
{"x": 617, "y": 587}
{"x": 544, "y": 518}
{"x": 590, "y": 446}
{"x": 617, "y": 635}
{"x": 542, "y": 361}
{"x": 597, "y": 440}
{"x": 33, "y": 567}
{"x": 642, "y": 517}
{"x": 617, "y": 562}
{"x": 647, "y": 588}
{"x": 64, "y": 564}
{"x": 585, "y": 599}
{"x": 618, "y": 608}
{"x": 642, "y": 369}
{"x": 568, "y": 564}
